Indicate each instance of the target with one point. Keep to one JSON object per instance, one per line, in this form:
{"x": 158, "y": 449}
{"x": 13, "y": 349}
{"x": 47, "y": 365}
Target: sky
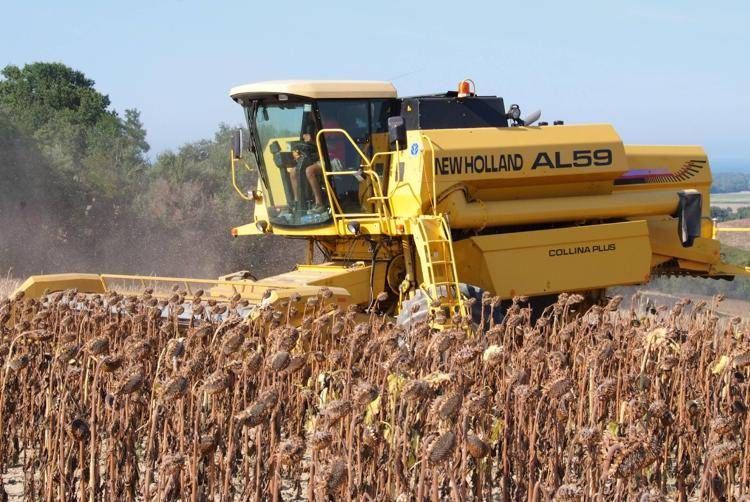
{"x": 664, "y": 72}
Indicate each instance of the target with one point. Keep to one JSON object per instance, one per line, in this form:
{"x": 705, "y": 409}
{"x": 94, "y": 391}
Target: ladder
{"x": 432, "y": 238}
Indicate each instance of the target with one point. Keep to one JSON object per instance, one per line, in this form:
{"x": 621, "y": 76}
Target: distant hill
{"x": 725, "y": 182}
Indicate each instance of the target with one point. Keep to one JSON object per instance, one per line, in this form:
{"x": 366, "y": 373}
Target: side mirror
{"x": 237, "y": 144}
{"x": 275, "y": 148}
{"x": 396, "y": 133}
{"x": 689, "y": 212}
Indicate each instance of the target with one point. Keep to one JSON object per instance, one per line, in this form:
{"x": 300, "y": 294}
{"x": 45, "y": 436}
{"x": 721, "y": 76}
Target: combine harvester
{"x": 434, "y": 199}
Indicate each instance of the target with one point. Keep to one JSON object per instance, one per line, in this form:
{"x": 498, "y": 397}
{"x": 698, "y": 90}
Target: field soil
{"x": 739, "y": 240}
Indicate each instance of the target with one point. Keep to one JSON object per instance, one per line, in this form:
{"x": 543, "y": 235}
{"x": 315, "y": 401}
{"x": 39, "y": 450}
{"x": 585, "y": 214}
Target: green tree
{"x": 39, "y": 92}
{"x": 74, "y": 163}
{"x": 722, "y": 213}
{"x": 86, "y": 197}
{"x": 102, "y": 153}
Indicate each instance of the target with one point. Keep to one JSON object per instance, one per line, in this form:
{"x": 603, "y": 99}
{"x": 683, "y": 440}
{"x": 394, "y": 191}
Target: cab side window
{"x": 351, "y": 116}
{"x": 366, "y": 121}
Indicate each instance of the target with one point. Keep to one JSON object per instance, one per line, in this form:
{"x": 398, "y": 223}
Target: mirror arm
{"x": 233, "y": 161}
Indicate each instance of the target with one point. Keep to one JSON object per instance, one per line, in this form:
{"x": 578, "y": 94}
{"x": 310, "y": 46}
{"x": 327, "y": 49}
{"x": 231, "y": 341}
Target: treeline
{"x": 728, "y": 214}
{"x": 730, "y": 182}
{"x": 78, "y": 192}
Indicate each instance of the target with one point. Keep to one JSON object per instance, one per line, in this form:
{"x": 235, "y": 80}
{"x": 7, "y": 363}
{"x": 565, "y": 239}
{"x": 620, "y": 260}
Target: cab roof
{"x": 316, "y": 89}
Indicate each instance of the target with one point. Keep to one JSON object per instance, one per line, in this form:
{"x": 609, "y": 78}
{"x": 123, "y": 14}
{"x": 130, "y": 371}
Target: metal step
{"x": 435, "y": 249}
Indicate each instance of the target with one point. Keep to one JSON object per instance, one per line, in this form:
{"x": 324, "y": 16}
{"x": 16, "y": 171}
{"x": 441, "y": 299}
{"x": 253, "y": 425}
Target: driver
{"x": 305, "y": 154}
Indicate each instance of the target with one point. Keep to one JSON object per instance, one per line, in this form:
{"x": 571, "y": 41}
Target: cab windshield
{"x": 287, "y": 155}
{"x": 296, "y": 180}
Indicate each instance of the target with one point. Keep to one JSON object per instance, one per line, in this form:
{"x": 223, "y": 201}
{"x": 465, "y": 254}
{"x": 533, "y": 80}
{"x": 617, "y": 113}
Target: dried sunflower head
{"x": 364, "y": 393}
{"x": 321, "y": 439}
{"x": 216, "y": 382}
{"x": 476, "y": 447}
{"x": 441, "y": 448}
{"x": 130, "y": 382}
{"x": 414, "y": 390}
{"x": 175, "y": 388}
{"x": 78, "y": 429}
{"x": 280, "y": 361}
{"x": 290, "y": 451}
{"x": 336, "y": 410}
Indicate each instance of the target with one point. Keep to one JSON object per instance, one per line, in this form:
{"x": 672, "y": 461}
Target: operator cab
{"x": 298, "y": 165}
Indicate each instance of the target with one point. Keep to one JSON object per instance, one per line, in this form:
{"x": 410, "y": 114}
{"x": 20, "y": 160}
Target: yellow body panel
{"x": 670, "y": 168}
{"x": 665, "y": 242}
{"x": 497, "y": 161}
{"x": 36, "y": 285}
{"x": 349, "y": 283}
{"x": 553, "y": 261}
{"x": 353, "y": 278}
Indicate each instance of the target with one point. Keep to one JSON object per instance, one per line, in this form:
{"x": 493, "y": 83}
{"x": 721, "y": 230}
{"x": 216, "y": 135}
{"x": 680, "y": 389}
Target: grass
{"x": 731, "y": 199}
{"x": 736, "y": 241}
{"x": 735, "y": 256}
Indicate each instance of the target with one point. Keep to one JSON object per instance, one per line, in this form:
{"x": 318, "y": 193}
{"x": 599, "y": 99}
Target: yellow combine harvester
{"x": 433, "y": 199}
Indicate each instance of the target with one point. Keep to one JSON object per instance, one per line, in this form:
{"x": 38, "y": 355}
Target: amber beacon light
{"x": 466, "y": 88}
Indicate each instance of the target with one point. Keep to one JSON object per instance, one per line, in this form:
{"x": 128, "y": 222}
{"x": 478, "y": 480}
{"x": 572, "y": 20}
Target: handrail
{"x": 346, "y": 134}
{"x": 383, "y": 205}
{"x": 375, "y": 182}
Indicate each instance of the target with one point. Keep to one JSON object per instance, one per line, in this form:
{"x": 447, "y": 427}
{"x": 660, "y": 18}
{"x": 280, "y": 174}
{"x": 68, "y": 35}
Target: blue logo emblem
{"x": 414, "y": 148}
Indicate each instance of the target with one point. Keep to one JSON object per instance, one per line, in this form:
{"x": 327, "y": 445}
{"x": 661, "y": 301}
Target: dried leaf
{"x": 395, "y": 384}
{"x": 719, "y": 366}
{"x": 492, "y": 353}
{"x": 372, "y": 410}
{"x": 656, "y": 335}
{"x": 498, "y": 425}
{"x": 613, "y": 428}
{"x": 438, "y": 377}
